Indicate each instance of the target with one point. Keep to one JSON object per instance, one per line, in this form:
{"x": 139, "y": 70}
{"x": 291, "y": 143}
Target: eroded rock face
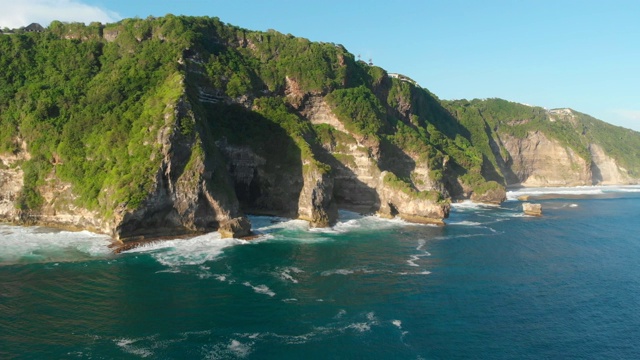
{"x": 316, "y": 203}
{"x": 494, "y": 196}
{"x": 537, "y": 160}
{"x": 11, "y": 182}
{"x": 532, "y": 209}
{"x": 192, "y": 192}
{"x": 605, "y": 170}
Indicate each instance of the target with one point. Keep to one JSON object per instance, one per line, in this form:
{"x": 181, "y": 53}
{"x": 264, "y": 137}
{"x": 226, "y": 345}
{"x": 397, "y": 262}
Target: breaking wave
{"x": 44, "y": 245}
{"x": 573, "y": 191}
{"x": 194, "y": 251}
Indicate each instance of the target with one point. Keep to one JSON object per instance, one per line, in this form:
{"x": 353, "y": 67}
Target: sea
{"x": 491, "y": 284}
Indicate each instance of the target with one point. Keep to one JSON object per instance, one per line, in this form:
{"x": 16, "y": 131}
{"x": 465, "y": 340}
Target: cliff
{"x": 181, "y": 125}
{"x": 532, "y": 146}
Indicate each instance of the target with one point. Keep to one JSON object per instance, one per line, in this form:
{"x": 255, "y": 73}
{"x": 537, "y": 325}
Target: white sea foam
{"x": 260, "y": 289}
{"x": 234, "y": 349}
{"x": 285, "y": 274}
{"x": 239, "y": 349}
{"x": 425, "y": 272}
{"x": 266, "y": 224}
{"x": 129, "y": 346}
{"x": 578, "y": 190}
{"x": 337, "y": 272}
{"x": 464, "y": 223}
{"x": 470, "y": 205}
{"x": 412, "y": 260}
{"x": 397, "y": 323}
{"x": 422, "y": 253}
{"x": 194, "y": 251}
{"x": 371, "y": 316}
{"x": 360, "y": 327}
{"x": 339, "y": 324}
{"x": 37, "y": 244}
{"x": 369, "y": 222}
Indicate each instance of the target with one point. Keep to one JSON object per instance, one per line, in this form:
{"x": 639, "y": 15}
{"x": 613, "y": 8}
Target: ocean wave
{"x": 575, "y": 191}
{"x": 268, "y": 224}
{"x": 424, "y": 272}
{"x": 232, "y": 349}
{"x": 467, "y": 205}
{"x": 337, "y": 272}
{"x": 260, "y": 289}
{"x": 194, "y": 251}
{"x": 464, "y": 223}
{"x": 134, "y": 347}
{"x": 360, "y": 270}
{"x": 281, "y": 229}
{"x": 415, "y": 258}
{"x": 285, "y": 274}
{"x": 37, "y": 244}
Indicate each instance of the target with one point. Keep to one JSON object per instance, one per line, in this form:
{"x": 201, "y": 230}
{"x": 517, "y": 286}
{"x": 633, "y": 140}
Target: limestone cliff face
{"x": 605, "y": 170}
{"x": 11, "y": 183}
{"x": 358, "y": 179}
{"x": 234, "y": 121}
{"x": 537, "y": 160}
{"x": 192, "y": 192}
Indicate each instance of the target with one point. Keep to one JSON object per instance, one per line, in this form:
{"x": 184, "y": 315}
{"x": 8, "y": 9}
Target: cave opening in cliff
{"x": 392, "y": 210}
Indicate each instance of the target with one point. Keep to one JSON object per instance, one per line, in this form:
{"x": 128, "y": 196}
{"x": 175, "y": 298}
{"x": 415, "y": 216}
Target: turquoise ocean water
{"x": 492, "y": 284}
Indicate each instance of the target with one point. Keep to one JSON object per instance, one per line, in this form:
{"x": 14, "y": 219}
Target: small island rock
{"x": 532, "y": 209}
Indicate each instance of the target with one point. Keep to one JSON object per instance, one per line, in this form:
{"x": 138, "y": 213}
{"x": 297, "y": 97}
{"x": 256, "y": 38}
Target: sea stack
{"x": 532, "y": 209}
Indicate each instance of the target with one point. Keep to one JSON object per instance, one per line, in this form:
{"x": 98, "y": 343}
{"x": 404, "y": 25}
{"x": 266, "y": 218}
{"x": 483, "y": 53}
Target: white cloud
{"x": 18, "y": 13}
{"x": 628, "y": 118}
{"x": 629, "y": 114}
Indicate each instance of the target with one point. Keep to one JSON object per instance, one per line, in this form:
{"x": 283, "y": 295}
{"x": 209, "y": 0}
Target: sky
{"x": 581, "y": 54}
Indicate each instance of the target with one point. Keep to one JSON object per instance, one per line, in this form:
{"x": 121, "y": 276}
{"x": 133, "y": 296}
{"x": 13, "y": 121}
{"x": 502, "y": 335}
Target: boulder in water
{"x": 532, "y": 209}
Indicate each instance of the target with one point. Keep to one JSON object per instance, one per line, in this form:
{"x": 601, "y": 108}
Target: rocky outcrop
{"x": 408, "y": 206}
{"x": 605, "y": 170}
{"x": 192, "y": 192}
{"x": 494, "y": 196}
{"x": 537, "y": 160}
{"x": 11, "y": 183}
{"x": 316, "y": 203}
{"x": 532, "y": 209}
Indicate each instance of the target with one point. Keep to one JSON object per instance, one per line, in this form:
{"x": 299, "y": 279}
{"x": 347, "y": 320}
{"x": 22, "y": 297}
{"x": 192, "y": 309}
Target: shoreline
{"x": 514, "y": 193}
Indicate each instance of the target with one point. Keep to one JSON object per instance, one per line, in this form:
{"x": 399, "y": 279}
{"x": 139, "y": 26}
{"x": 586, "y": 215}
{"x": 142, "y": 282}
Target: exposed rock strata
{"x": 605, "y": 170}
{"x": 537, "y": 160}
{"x": 532, "y": 209}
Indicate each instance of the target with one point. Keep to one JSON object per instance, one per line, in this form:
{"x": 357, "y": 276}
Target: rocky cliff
{"x": 180, "y": 125}
{"x": 532, "y": 146}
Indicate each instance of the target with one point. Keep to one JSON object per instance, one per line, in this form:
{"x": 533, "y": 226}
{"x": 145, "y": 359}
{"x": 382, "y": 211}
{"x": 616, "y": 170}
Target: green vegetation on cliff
{"x": 94, "y": 103}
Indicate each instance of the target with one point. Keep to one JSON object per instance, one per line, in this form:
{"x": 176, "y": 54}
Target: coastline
{"x": 567, "y": 192}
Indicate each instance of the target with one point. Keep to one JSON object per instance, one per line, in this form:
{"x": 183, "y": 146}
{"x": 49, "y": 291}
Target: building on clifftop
{"x": 34, "y": 27}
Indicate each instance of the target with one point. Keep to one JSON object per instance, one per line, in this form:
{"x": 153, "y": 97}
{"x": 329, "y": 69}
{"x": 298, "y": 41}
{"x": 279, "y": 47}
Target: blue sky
{"x": 581, "y": 54}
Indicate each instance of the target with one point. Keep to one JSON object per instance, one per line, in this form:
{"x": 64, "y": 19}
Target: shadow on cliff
{"x": 262, "y": 158}
{"x": 349, "y": 192}
{"x": 395, "y": 160}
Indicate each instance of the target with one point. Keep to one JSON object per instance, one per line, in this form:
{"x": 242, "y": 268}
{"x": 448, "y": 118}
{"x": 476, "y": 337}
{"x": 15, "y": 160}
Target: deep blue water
{"x": 493, "y": 284}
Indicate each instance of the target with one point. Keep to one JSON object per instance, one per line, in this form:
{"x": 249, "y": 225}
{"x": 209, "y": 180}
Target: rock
{"x": 524, "y": 197}
{"x": 316, "y": 203}
{"x": 532, "y": 209}
{"x": 539, "y": 160}
{"x": 493, "y": 196}
{"x": 235, "y": 228}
